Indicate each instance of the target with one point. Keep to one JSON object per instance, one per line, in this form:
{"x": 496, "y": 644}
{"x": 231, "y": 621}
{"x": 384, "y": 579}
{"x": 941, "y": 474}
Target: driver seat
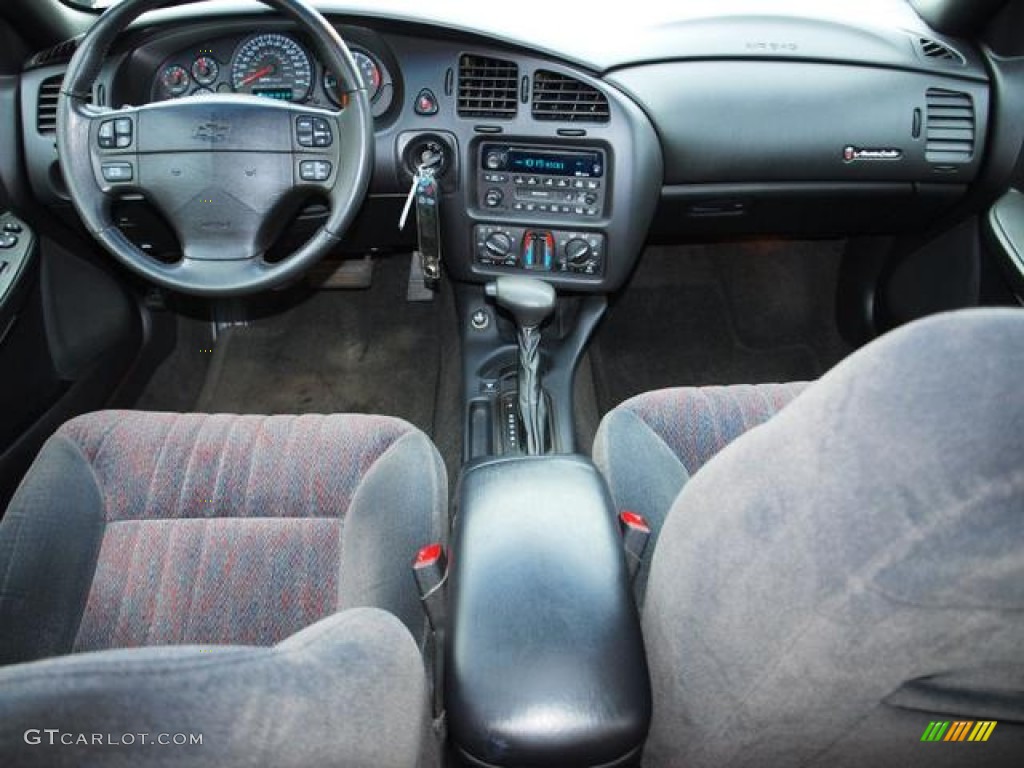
{"x": 245, "y": 578}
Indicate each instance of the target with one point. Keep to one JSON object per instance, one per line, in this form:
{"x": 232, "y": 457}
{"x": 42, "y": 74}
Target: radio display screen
{"x": 582, "y": 164}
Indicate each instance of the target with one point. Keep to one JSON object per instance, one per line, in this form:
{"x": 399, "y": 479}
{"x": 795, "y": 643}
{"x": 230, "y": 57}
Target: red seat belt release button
{"x": 635, "y": 535}
{"x": 430, "y": 569}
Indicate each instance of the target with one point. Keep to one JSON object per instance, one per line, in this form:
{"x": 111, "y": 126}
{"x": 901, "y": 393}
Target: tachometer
{"x": 272, "y": 65}
{"x": 369, "y": 71}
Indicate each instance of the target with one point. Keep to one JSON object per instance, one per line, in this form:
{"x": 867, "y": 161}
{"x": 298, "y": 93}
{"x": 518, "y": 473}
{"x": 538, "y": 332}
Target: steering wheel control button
{"x": 8, "y": 240}
{"x": 118, "y": 172}
{"x": 426, "y": 103}
{"x": 106, "y": 137}
{"x": 314, "y": 132}
{"x": 315, "y": 170}
{"x": 13, "y": 227}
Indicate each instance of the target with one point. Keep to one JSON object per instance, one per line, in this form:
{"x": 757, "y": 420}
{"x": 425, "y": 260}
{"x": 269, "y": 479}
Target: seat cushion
{"x": 650, "y": 445}
{"x": 349, "y": 690}
{"x": 137, "y": 528}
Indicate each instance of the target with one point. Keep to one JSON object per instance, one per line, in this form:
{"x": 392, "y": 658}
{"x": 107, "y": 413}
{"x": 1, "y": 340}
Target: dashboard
{"x": 566, "y": 153}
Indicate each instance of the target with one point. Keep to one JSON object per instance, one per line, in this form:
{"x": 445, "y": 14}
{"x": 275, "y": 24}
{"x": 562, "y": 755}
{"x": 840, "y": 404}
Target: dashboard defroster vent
{"x": 487, "y": 87}
{"x": 564, "y": 98}
{"x": 46, "y": 104}
{"x": 936, "y": 51}
{"x": 949, "y": 126}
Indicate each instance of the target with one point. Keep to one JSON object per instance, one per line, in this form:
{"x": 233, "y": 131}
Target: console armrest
{"x": 546, "y": 662}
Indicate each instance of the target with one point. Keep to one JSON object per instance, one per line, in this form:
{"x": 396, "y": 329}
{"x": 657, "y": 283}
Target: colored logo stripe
{"x": 982, "y": 730}
{"x": 960, "y": 730}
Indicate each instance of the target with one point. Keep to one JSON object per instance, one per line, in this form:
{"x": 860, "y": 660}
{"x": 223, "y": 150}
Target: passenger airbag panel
{"x": 752, "y": 121}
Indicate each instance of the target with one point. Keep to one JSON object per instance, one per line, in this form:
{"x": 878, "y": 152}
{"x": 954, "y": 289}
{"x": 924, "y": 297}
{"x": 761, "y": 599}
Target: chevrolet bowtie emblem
{"x": 211, "y": 132}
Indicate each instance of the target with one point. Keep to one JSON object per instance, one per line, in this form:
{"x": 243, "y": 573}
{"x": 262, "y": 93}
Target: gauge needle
{"x": 267, "y": 70}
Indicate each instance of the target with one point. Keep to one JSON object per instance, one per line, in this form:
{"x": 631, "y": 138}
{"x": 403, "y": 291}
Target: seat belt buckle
{"x": 636, "y": 533}
{"x": 430, "y": 569}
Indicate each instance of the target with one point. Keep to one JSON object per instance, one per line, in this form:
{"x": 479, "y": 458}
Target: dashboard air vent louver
{"x": 61, "y": 53}
{"x": 46, "y": 104}
{"x": 936, "y": 51}
{"x": 487, "y": 87}
{"x": 560, "y": 97}
{"x": 949, "y": 127}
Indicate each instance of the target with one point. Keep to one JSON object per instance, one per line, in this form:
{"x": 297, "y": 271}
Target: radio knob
{"x": 493, "y": 198}
{"x": 578, "y": 252}
{"x": 590, "y": 198}
{"x": 498, "y": 245}
{"x": 494, "y": 161}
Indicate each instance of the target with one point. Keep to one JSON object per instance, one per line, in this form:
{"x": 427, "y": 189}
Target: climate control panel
{"x": 536, "y": 249}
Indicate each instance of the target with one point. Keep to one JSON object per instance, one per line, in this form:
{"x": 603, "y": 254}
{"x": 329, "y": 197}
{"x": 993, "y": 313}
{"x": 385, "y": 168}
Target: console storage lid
{"x": 546, "y": 664}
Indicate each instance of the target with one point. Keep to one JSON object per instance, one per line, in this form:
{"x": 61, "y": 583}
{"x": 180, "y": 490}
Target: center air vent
{"x": 46, "y": 104}
{"x": 949, "y": 128}
{"x": 560, "y": 97}
{"x": 487, "y": 87}
{"x": 936, "y": 51}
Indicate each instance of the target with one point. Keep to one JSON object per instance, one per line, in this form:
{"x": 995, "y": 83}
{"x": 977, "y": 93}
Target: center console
{"x": 545, "y": 662}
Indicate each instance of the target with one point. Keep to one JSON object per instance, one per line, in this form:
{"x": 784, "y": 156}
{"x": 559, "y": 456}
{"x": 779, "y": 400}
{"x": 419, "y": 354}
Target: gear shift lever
{"x": 530, "y": 301}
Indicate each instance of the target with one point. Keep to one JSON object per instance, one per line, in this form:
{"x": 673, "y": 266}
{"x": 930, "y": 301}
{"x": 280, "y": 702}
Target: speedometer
{"x": 274, "y": 66}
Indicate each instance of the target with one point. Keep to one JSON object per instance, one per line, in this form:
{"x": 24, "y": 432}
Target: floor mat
{"x": 720, "y": 314}
{"x": 366, "y": 351}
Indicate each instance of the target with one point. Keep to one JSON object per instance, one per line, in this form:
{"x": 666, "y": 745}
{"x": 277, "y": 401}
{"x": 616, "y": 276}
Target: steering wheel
{"x": 221, "y": 168}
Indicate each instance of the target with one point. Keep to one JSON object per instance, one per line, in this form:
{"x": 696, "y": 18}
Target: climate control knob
{"x": 493, "y": 197}
{"x": 578, "y": 252}
{"x": 498, "y": 245}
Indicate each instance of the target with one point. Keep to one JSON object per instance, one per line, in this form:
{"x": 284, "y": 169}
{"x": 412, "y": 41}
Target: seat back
{"x": 867, "y": 539}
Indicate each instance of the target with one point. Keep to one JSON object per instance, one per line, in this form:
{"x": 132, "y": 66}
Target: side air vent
{"x": 560, "y": 97}
{"x": 487, "y": 87}
{"x": 61, "y": 53}
{"x": 949, "y": 127}
{"x": 936, "y": 51}
{"x": 46, "y": 104}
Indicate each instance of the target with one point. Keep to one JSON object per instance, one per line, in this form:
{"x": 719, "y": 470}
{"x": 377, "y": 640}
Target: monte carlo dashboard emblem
{"x": 851, "y": 153}
{"x": 211, "y": 131}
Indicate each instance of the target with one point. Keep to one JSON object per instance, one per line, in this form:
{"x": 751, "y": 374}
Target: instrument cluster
{"x": 273, "y": 65}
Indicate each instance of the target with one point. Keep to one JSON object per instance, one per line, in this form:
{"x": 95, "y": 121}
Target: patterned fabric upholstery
{"x": 698, "y": 422}
{"x": 649, "y": 446}
{"x": 170, "y": 465}
{"x": 193, "y": 528}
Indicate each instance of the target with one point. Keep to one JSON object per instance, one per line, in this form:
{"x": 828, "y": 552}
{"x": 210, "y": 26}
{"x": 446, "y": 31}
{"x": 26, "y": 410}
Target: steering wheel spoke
{"x": 225, "y": 170}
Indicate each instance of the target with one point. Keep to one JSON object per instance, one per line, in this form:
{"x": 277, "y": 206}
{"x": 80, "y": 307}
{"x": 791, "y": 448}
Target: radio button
{"x": 520, "y": 180}
{"x": 578, "y": 184}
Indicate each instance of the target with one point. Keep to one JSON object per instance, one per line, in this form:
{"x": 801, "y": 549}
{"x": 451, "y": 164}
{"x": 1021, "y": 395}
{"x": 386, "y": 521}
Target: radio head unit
{"x": 551, "y": 181}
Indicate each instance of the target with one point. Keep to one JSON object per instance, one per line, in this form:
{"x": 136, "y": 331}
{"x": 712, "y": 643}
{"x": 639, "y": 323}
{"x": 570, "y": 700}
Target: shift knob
{"x": 529, "y": 300}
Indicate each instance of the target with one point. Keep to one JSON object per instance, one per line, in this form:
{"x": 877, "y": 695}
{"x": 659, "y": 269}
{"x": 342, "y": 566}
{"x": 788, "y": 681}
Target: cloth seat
{"x": 850, "y": 574}
{"x": 649, "y": 446}
{"x": 219, "y": 534}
